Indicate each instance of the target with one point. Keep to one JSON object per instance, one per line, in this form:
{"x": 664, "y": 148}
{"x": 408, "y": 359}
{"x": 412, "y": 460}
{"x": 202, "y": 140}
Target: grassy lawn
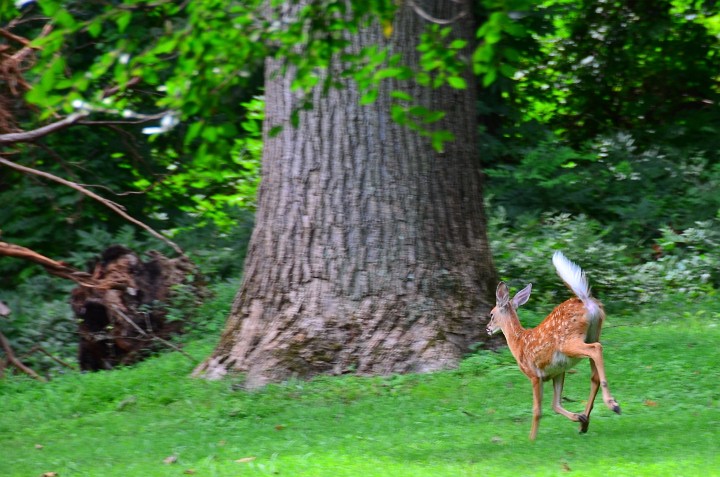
{"x": 663, "y": 365}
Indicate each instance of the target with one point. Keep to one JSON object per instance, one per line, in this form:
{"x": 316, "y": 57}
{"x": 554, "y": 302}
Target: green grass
{"x": 663, "y": 365}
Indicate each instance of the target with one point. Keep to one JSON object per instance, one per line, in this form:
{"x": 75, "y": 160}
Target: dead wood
{"x": 16, "y": 57}
{"x": 120, "y": 325}
{"x": 11, "y": 359}
{"x": 121, "y": 305}
{"x": 40, "y": 349}
{"x": 53, "y": 267}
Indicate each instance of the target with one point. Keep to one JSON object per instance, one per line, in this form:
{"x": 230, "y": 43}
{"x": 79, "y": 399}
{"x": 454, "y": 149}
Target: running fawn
{"x": 569, "y": 333}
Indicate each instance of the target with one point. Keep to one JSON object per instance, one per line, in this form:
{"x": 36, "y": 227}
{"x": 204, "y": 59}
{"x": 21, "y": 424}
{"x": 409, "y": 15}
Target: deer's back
{"x": 569, "y": 321}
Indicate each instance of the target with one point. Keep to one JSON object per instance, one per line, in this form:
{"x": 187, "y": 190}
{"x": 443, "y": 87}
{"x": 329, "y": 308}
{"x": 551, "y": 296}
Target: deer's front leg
{"x": 537, "y": 386}
{"x": 558, "y": 382}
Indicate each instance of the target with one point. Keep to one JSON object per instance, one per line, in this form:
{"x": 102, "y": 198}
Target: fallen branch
{"x": 38, "y": 348}
{"x": 109, "y": 204}
{"x": 11, "y": 359}
{"x": 59, "y": 269}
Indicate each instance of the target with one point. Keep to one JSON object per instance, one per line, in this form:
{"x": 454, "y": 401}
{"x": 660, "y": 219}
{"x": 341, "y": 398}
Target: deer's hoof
{"x": 616, "y": 409}
{"x": 584, "y": 423}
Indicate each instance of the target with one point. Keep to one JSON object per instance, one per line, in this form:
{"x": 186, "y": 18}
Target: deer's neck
{"x": 514, "y": 333}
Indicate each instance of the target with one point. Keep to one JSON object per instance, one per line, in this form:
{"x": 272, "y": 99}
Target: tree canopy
{"x": 173, "y": 90}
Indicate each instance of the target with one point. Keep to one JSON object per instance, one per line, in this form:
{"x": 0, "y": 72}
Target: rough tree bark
{"x": 369, "y": 253}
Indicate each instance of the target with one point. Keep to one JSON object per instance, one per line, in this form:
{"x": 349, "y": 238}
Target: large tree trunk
{"x": 369, "y": 252}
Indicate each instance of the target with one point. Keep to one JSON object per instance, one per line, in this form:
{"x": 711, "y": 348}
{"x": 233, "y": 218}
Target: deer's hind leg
{"x": 594, "y": 352}
{"x": 558, "y": 382}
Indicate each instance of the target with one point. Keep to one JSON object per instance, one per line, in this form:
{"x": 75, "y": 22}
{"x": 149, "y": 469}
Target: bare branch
{"x": 422, "y": 13}
{"x": 75, "y": 118}
{"x": 5, "y": 345}
{"x": 140, "y": 120}
{"x": 111, "y": 205}
{"x": 40, "y": 349}
{"x": 122, "y": 194}
{"x": 35, "y": 134}
{"x": 115, "y": 89}
{"x": 59, "y": 269}
{"x": 13, "y": 37}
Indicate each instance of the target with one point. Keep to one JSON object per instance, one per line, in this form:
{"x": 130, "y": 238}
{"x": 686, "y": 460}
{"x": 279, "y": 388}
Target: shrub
{"x": 687, "y": 261}
{"x": 633, "y": 188}
{"x": 684, "y": 261}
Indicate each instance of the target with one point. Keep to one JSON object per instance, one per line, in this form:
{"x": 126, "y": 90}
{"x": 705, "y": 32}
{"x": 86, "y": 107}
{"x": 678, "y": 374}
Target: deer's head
{"x": 505, "y": 308}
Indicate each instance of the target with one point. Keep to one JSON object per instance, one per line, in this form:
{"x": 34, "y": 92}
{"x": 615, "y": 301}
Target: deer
{"x": 569, "y": 333}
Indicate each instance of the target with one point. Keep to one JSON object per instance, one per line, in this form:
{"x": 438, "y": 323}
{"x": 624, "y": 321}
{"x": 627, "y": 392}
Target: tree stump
{"x": 122, "y": 313}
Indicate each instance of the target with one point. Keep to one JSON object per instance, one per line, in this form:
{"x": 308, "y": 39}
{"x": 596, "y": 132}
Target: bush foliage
{"x": 619, "y": 274}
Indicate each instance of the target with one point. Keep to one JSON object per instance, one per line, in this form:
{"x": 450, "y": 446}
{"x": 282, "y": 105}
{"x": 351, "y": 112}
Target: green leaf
{"x": 511, "y": 54}
{"x": 369, "y": 97}
{"x": 274, "y": 131}
{"x": 507, "y": 70}
{"x": 49, "y": 43}
{"x": 483, "y": 54}
{"x": 433, "y": 116}
{"x": 402, "y": 95}
{"x": 50, "y": 7}
{"x": 439, "y": 138}
{"x": 387, "y": 73}
{"x": 457, "y": 82}
{"x": 95, "y": 28}
{"x": 398, "y": 114}
{"x": 193, "y": 131}
{"x": 64, "y": 19}
{"x": 422, "y": 78}
{"x": 516, "y": 29}
{"x": 489, "y": 77}
{"x": 458, "y": 44}
{"x": 123, "y": 20}
{"x": 209, "y": 133}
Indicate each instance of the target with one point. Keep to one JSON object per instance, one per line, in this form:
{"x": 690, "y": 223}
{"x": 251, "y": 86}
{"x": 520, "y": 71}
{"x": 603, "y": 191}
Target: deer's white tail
{"x": 575, "y": 279}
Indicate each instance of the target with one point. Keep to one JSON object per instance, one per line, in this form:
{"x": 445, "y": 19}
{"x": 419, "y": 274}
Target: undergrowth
{"x": 621, "y": 275}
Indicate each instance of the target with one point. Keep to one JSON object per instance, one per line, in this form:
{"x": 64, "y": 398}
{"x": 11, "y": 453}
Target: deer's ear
{"x": 502, "y": 294}
{"x": 522, "y": 296}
